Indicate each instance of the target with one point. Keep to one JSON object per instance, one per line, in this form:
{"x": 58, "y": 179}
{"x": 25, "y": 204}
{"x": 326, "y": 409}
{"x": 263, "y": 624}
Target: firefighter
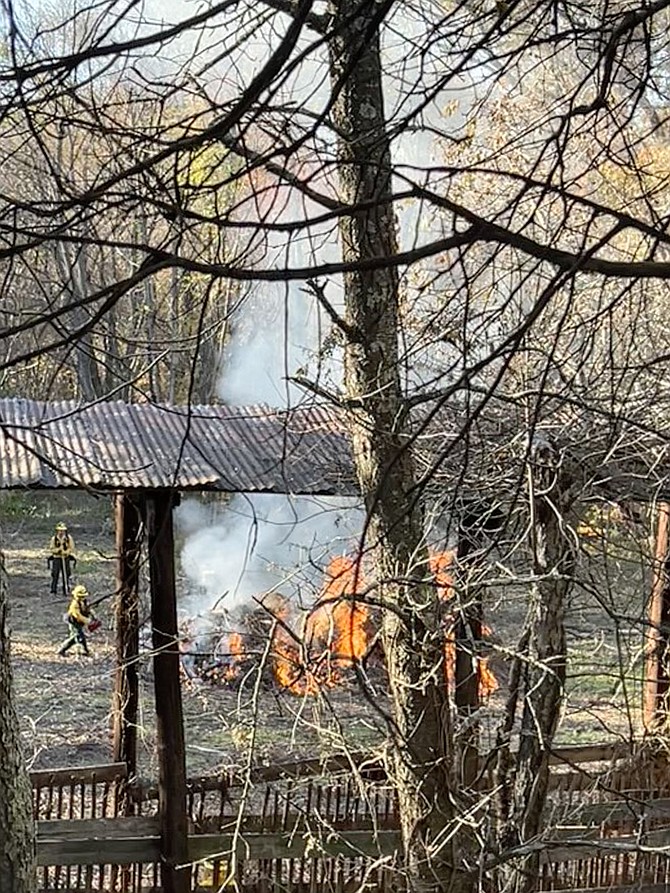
{"x": 79, "y": 616}
{"x": 62, "y": 559}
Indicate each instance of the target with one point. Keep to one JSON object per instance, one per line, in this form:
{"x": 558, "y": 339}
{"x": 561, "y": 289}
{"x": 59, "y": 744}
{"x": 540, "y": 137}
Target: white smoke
{"x": 261, "y": 543}
{"x": 278, "y": 335}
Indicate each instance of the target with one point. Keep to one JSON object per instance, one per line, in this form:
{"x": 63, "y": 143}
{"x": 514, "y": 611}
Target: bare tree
{"x": 464, "y": 257}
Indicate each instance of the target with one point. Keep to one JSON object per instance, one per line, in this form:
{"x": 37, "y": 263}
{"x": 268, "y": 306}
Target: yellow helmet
{"x": 61, "y": 526}
{"x": 79, "y": 592}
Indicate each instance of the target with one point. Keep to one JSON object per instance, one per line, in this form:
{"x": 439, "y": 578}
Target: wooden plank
{"x": 568, "y": 753}
{"x": 231, "y": 778}
{"x": 297, "y": 823}
{"x": 78, "y": 775}
{"x": 373, "y": 768}
{"x": 97, "y": 829}
{"x": 144, "y": 888}
{"x": 268, "y": 845}
{"x": 639, "y": 888}
{"x": 602, "y": 847}
{"x": 167, "y": 689}
{"x": 572, "y": 832}
{"x": 589, "y": 753}
{"x": 355, "y": 762}
{"x": 620, "y": 811}
{"x": 361, "y": 762}
{"x": 586, "y": 781}
{"x": 117, "y": 850}
{"x": 123, "y": 851}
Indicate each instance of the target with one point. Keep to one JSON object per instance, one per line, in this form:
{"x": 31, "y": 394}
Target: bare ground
{"x": 64, "y": 703}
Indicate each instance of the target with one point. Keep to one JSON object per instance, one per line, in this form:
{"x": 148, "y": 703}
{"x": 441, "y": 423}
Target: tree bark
{"x": 539, "y": 675}
{"x": 129, "y": 532}
{"x": 17, "y": 828}
{"x": 467, "y": 640}
{"x": 657, "y": 680}
{"x": 413, "y": 633}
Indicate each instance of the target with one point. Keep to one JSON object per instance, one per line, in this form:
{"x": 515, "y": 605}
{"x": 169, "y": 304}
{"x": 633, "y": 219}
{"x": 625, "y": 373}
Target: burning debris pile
{"x": 336, "y": 635}
{"x": 304, "y": 652}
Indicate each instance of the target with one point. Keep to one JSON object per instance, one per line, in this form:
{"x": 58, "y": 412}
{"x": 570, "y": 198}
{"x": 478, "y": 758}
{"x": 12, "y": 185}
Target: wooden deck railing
{"x": 322, "y": 825}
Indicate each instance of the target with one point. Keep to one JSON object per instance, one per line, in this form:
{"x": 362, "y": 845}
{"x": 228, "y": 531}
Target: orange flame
{"x": 439, "y": 564}
{"x": 290, "y": 670}
{"x": 440, "y": 567}
{"x": 236, "y": 645}
{"x": 338, "y": 620}
{"x": 335, "y": 634}
{"x": 236, "y": 654}
{"x": 236, "y": 651}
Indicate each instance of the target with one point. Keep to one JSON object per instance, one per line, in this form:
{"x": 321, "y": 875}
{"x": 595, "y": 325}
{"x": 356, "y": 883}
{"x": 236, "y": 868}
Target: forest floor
{"x": 64, "y": 703}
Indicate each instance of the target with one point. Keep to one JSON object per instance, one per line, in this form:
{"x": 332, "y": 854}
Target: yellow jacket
{"x": 79, "y": 611}
{"x": 61, "y": 546}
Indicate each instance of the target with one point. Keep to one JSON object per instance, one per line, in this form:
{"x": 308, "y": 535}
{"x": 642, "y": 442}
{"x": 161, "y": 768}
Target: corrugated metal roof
{"x": 120, "y": 446}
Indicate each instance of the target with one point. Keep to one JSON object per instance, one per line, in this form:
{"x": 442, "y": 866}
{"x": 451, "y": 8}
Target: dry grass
{"x": 64, "y": 703}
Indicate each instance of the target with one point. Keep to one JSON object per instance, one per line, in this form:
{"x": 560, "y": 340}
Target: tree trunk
{"x": 413, "y": 632}
{"x": 467, "y": 642}
{"x": 540, "y": 667}
{"x": 657, "y": 679}
{"x": 76, "y": 287}
{"x": 125, "y": 699}
{"x": 17, "y": 828}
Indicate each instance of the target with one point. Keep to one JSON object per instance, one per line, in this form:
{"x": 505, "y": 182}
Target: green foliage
{"x": 48, "y": 507}
{"x": 18, "y": 504}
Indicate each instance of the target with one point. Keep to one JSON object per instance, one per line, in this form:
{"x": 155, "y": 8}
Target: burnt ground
{"x": 64, "y": 703}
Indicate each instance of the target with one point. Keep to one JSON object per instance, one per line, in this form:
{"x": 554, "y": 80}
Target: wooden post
{"x": 467, "y": 636}
{"x": 126, "y": 614}
{"x": 167, "y": 686}
{"x": 657, "y": 680}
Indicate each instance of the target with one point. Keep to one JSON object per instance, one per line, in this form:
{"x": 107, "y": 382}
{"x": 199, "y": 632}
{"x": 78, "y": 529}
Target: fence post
{"x": 657, "y": 680}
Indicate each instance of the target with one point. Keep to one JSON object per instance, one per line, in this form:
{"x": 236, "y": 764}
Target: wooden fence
{"x": 332, "y": 827}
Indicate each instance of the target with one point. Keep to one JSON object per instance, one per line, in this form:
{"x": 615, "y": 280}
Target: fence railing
{"x": 330, "y": 826}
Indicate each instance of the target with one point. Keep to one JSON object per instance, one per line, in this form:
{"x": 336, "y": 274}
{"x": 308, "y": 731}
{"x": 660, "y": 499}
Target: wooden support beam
{"x": 129, "y": 529}
{"x": 657, "y": 679}
{"x": 467, "y": 637}
{"x": 122, "y": 841}
{"x": 167, "y": 686}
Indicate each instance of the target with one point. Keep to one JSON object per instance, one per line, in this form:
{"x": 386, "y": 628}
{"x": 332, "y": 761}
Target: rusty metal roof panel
{"x": 63, "y": 438}
{"x": 117, "y": 441}
{"x": 19, "y": 462}
{"x": 114, "y": 446}
{"x": 164, "y": 433}
{"x": 254, "y": 448}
